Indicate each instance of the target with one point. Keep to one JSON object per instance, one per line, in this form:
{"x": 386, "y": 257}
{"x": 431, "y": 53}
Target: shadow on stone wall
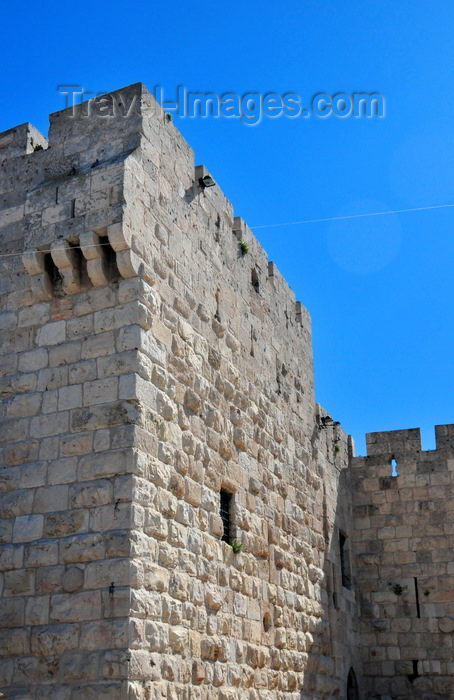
{"x": 334, "y": 667}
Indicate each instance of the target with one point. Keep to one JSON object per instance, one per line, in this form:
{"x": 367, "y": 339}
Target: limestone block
{"x": 35, "y": 315}
{"x": 12, "y": 612}
{"x": 72, "y": 579}
{"x": 41, "y": 553}
{"x": 179, "y": 586}
{"x": 35, "y": 669}
{"x": 84, "y": 547}
{"x": 446, "y": 625}
{"x": 80, "y": 327}
{"x": 103, "y": 464}
{"x": 66, "y": 523}
{"x": 51, "y": 498}
{"x": 33, "y": 360}
{"x": 16, "y": 503}
{"x": 122, "y": 572}
{"x": 178, "y": 638}
{"x": 28, "y": 528}
{"x": 158, "y": 636}
{"x": 198, "y": 672}
{"x": 129, "y": 264}
{"x": 79, "y": 667}
{"x": 97, "y": 263}
{"x": 83, "y": 371}
{"x": 53, "y": 333}
{"x": 100, "y": 391}
{"x": 19, "y": 582}
{"x": 14, "y": 642}
{"x": 33, "y": 261}
{"x": 119, "y": 236}
{"x": 45, "y": 639}
{"x": 25, "y": 405}
{"x": 91, "y": 494}
{"x": 74, "y": 607}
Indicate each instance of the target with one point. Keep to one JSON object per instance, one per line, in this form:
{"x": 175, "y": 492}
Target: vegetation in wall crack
{"x": 398, "y": 589}
{"x": 236, "y": 546}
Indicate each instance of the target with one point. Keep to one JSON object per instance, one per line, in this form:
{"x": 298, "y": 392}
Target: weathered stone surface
{"x": 446, "y": 624}
{"x": 78, "y": 606}
{"x": 72, "y": 579}
{"x": 50, "y": 638}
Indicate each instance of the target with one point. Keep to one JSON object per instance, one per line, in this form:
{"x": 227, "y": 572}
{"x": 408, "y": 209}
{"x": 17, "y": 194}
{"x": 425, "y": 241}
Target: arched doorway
{"x": 352, "y": 686}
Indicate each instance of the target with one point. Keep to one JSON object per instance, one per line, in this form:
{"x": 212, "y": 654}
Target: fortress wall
{"x": 404, "y": 542}
{"x": 147, "y": 365}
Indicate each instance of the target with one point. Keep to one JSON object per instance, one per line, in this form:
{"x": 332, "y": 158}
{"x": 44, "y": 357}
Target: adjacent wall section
{"x": 404, "y": 540}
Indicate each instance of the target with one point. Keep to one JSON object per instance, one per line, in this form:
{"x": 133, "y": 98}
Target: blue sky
{"x": 379, "y": 289}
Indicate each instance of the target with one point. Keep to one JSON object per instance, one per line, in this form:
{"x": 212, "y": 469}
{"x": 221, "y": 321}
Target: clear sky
{"x": 379, "y": 289}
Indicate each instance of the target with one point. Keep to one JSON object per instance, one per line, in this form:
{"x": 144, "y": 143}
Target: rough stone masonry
{"x": 180, "y": 519}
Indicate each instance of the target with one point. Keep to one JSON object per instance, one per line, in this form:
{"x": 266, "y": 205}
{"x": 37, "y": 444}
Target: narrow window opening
{"x": 225, "y": 513}
{"x": 394, "y": 466}
{"x": 255, "y": 280}
{"x": 111, "y": 259}
{"x": 266, "y": 622}
{"x": 415, "y": 673}
{"x": 56, "y": 195}
{"x": 73, "y": 208}
{"x": 217, "y": 315}
{"x": 334, "y": 587}
{"x": 218, "y": 228}
{"x": 352, "y": 686}
{"x": 418, "y": 607}
{"x": 278, "y": 380}
{"x": 252, "y": 342}
{"x": 345, "y": 560}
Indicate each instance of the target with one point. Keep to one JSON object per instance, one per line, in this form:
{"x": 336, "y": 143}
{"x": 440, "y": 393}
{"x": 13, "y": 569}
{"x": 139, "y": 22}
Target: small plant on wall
{"x": 244, "y": 248}
{"x": 236, "y": 546}
{"x": 398, "y": 589}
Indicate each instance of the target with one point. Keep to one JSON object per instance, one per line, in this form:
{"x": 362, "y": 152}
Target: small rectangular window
{"x": 345, "y": 560}
{"x": 334, "y": 586}
{"x": 225, "y": 508}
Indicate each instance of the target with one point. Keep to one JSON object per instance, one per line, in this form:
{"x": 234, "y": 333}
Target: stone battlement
{"x": 406, "y": 443}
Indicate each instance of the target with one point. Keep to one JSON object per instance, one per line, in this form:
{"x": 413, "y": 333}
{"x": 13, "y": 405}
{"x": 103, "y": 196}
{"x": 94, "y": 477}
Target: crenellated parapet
{"x": 444, "y": 436}
{"x": 402, "y": 442}
{"x": 404, "y": 446}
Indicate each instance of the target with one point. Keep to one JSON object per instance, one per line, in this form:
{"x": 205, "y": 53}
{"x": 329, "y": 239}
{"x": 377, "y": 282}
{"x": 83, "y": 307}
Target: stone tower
{"x": 176, "y": 509}
{"x": 404, "y": 541}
